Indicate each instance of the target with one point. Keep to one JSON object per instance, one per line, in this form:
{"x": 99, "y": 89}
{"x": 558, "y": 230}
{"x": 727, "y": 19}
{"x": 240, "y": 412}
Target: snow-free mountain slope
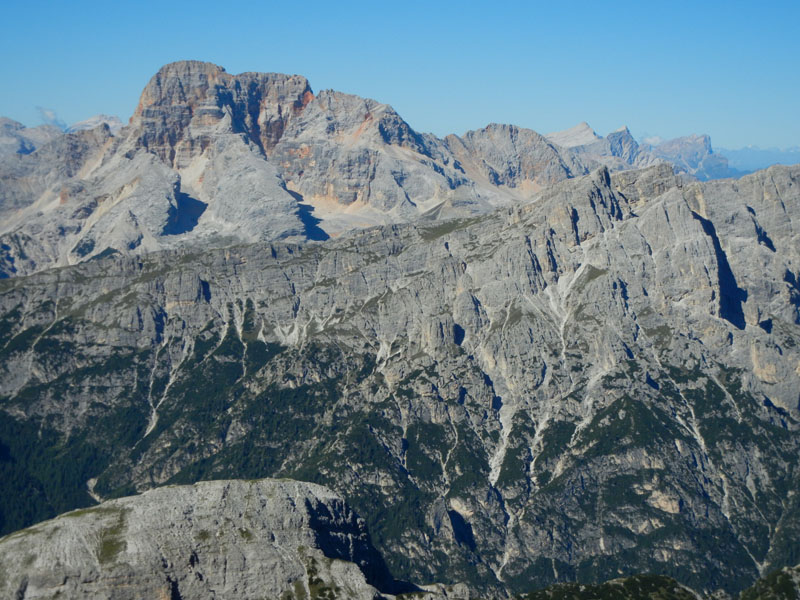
{"x": 600, "y": 382}
{"x": 219, "y": 539}
{"x": 580, "y": 135}
{"x": 211, "y": 159}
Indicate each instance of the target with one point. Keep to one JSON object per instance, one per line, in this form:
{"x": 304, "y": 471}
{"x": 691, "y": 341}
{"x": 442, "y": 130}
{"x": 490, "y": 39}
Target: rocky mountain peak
{"x": 186, "y": 102}
{"x": 183, "y": 82}
{"x": 580, "y": 135}
{"x": 355, "y": 119}
{"x": 513, "y": 157}
{"x": 7, "y": 124}
{"x": 224, "y": 158}
{"x": 113, "y": 122}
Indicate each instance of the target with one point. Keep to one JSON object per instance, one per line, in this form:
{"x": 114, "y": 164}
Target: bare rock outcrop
{"x": 600, "y": 381}
{"x": 216, "y": 159}
{"x": 219, "y": 539}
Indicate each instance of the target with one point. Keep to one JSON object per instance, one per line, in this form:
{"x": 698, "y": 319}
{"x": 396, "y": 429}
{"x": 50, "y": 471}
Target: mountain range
{"x": 215, "y": 159}
{"x": 522, "y": 360}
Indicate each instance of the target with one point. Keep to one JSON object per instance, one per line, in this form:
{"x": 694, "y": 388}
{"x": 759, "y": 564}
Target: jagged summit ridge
{"x": 203, "y": 95}
{"x": 214, "y": 159}
{"x": 619, "y": 150}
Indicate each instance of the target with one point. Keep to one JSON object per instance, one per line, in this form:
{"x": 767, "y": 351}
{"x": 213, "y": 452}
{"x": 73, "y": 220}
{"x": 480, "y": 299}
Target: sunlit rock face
{"x": 231, "y": 539}
{"x": 211, "y": 160}
{"x": 600, "y": 381}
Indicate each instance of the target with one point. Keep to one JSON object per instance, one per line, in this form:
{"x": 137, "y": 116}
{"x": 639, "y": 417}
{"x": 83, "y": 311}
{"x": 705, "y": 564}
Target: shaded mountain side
{"x": 576, "y": 388}
{"x": 782, "y": 584}
{"x": 637, "y": 587}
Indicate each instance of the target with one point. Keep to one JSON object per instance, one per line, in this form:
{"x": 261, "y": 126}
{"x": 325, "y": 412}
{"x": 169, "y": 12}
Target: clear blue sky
{"x": 730, "y": 69}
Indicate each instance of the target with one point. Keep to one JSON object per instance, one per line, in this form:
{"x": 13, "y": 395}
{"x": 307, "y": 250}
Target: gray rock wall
{"x": 221, "y": 539}
{"x": 599, "y": 382}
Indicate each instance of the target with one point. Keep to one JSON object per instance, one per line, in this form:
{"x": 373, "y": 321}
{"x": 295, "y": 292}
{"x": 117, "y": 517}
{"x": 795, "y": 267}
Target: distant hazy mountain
{"x": 580, "y": 135}
{"x": 114, "y": 123}
{"x": 619, "y": 151}
{"x": 15, "y": 138}
{"x": 752, "y": 158}
{"x": 693, "y": 154}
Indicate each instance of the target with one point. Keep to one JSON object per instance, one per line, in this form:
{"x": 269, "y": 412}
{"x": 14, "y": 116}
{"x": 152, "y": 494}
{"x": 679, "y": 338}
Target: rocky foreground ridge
{"x": 599, "y": 382}
{"x": 253, "y": 539}
{"x": 220, "y": 539}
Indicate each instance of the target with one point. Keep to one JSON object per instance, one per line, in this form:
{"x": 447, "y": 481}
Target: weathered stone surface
{"x": 358, "y": 163}
{"x": 599, "y": 382}
{"x": 220, "y": 539}
{"x": 187, "y": 102}
{"x": 513, "y": 158}
{"x": 247, "y": 158}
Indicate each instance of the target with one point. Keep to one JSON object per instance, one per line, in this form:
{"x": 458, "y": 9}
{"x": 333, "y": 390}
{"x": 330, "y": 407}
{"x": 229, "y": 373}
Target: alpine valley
{"x": 262, "y": 342}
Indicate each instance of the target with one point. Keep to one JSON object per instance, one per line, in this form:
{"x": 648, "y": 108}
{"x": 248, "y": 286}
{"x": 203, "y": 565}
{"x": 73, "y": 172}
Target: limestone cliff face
{"x": 600, "y": 381}
{"x": 211, "y": 159}
{"x": 220, "y": 539}
{"x": 513, "y": 157}
{"x": 186, "y": 103}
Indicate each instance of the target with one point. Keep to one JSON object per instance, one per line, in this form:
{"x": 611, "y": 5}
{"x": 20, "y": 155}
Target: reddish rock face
{"x": 185, "y": 102}
{"x": 257, "y": 149}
